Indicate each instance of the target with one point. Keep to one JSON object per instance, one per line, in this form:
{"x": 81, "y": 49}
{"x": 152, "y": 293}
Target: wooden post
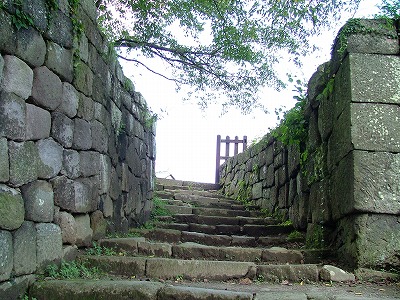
{"x": 236, "y": 145}
{"x": 227, "y": 141}
{"x": 218, "y": 159}
{"x": 244, "y": 142}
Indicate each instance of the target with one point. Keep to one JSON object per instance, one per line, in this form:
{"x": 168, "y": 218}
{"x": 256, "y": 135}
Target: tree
{"x": 221, "y": 49}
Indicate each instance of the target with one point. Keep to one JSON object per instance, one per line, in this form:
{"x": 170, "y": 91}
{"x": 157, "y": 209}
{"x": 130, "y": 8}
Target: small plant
{"x": 27, "y": 297}
{"x": 179, "y": 278}
{"x": 243, "y": 193}
{"x": 71, "y": 270}
{"x": 159, "y": 208}
{"x": 287, "y": 223}
{"x": 260, "y": 278}
{"x": 21, "y": 19}
{"x": 98, "y": 250}
{"x": 295, "y": 235}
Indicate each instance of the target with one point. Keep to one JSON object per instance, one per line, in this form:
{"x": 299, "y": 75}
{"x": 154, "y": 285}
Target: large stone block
{"x": 60, "y": 29}
{"x": 85, "y": 108}
{"x": 374, "y": 127}
{"x": 17, "y": 77}
{"x": 369, "y": 240}
{"x": 375, "y": 78}
{"x": 105, "y": 174}
{"x": 31, "y": 47}
{"x": 82, "y": 135}
{"x": 89, "y": 163}
{"x": 4, "y": 161}
{"x": 37, "y": 10}
{"x": 320, "y": 203}
{"x": 24, "y": 158}
{"x": 1, "y": 67}
{"x": 83, "y": 79}
{"x": 39, "y": 201}
{"x": 8, "y": 38}
{"x": 6, "y": 255}
{"x": 48, "y": 243}
{"x": 50, "y": 158}
{"x": 63, "y": 129}
{"x": 38, "y": 122}
{"x": 12, "y": 209}
{"x": 25, "y": 249}
{"x": 73, "y": 195}
{"x": 71, "y": 164}
{"x": 84, "y": 233}
{"x": 70, "y": 100}
{"x": 99, "y": 137}
{"x": 376, "y": 179}
{"x": 16, "y": 288}
{"x": 12, "y": 116}
{"x": 67, "y": 225}
{"x": 339, "y": 144}
{"x": 59, "y": 60}
{"x": 47, "y": 88}
{"x": 98, "y": 225}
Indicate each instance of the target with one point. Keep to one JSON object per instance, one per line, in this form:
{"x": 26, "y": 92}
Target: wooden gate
{"x": 227, "y": 142}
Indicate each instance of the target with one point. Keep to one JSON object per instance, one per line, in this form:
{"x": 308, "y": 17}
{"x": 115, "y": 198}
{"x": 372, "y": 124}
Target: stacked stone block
{"x": 346, "y": 194}
{"x": 77, "y": 149}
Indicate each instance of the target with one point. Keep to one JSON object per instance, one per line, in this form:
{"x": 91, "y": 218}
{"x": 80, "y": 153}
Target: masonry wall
{"x": 346, "y": 193}
{"x": 77, "y": 142}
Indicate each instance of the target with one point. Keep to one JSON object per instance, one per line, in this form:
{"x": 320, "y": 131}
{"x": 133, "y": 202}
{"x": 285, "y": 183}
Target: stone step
{"x": 170, "y": 268}
{"x": 219, "y": 220}
{"x": 250, "y": 230}
{"x": 210, "y": 203}
{"x": 127, "y": 289}
{"x": 190, "y": 250}
{"x": 177, "y": 236}
{"x": 180, "y": 290}
{"x": 166, "y": 183}
{"x": 205, "y": 211}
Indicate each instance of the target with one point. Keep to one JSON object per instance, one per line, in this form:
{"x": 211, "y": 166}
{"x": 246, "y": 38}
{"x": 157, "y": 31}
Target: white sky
{"x": 186, "y": 136}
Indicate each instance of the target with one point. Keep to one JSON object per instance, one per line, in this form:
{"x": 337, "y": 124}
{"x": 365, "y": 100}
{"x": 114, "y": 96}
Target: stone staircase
{"x": 209, "y": 247}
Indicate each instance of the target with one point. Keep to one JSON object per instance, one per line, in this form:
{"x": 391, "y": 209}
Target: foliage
{"x": 243, "y": 193}
{"x": 98, "y": 250}
{"x": 71, "y": 270}
{"x": 315, "y": 238}
{"x": 390, "y": 9}
{"x": 295, "y": 235}
{"x": 293, "y": 128}
{"x": 21, "y": 19}
{"x": 159, "y": 208}
{"x": 224, "y": 49}
{"x": 26, "y": 297}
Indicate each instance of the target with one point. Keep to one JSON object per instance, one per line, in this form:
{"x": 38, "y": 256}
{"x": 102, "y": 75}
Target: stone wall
{"x": 344, "y": 188}
{"x": 77, "y": 142}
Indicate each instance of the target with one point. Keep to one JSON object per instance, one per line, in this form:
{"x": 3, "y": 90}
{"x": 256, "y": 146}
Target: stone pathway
{"x": 211, "y": 248}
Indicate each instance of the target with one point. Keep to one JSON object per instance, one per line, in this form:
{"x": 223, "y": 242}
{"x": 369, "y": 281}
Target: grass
{"x": 295, "y": 235}
{"x": 72, "y": 270}
{"x": 98, "y": 250}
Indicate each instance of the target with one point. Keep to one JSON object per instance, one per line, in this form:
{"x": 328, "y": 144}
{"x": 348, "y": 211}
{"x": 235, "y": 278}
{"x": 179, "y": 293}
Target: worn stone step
{"x": 218, "y": 220}
{"x": 177, "y": 236}
{"x": 126, "y": 290}
{"x": 290, "y": 273}
{"x": 191, "y": 250}
{"x": 190, "y": 184}
{"x": 260, "y": 230}
{"x": 178, "y": 209}
{"x": 79, "y": 289}
{"x": 225, "y": 212}
{"x": 210, "y": 203}
{"x": 169, "y": 268}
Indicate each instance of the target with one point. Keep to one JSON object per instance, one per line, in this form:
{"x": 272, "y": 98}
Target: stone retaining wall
{"x": 346, "y": 193}
{"x": 77, "y": 142}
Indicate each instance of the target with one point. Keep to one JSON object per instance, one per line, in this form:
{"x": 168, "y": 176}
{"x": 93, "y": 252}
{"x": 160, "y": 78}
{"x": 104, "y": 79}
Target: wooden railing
{"x": 227, "y": 142}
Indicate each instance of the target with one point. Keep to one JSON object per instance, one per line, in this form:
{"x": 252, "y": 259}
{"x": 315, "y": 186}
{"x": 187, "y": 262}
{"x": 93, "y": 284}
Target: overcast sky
{"x": 186, "y": 136}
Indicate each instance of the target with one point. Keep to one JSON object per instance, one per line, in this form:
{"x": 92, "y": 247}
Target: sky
{"x": 186, "y": 136}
